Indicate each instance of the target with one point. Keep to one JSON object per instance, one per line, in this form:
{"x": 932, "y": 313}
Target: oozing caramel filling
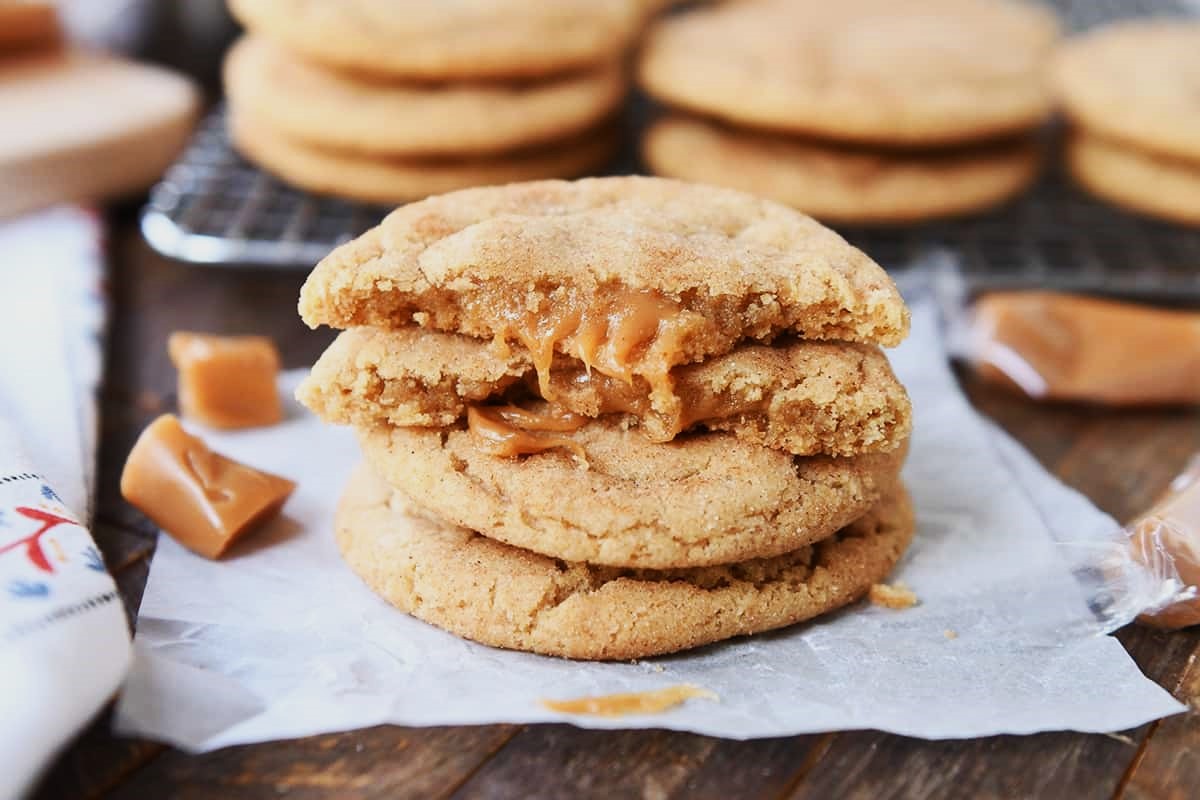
{"x": 510, "y": 431}
{"x": 595, "y": 394}
{"x": 618, "y": 332}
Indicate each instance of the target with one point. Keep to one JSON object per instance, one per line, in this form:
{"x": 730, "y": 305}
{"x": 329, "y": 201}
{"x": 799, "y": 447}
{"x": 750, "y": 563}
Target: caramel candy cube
{"x": 226, "y": 381}
{"x": 204, "y": 500}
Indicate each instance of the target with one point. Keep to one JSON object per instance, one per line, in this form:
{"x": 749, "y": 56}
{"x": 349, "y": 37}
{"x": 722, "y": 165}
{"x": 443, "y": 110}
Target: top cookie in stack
{"x": 864, "y": 111}
{"x": 388, "y": 102}
{"x": 641, "y": 391}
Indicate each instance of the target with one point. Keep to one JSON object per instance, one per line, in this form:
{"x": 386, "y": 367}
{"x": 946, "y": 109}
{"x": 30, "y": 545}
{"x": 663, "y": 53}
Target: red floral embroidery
{"x": 32, "y": 543}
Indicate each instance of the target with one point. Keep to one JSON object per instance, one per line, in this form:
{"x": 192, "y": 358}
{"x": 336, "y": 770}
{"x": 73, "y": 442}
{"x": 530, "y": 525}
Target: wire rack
{"x": 214, "y": 208}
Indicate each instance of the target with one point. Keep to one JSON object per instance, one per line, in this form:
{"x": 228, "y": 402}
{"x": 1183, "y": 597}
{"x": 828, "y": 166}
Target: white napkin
{"x": 64, "y": 642}
{"x": 282, "y": 640}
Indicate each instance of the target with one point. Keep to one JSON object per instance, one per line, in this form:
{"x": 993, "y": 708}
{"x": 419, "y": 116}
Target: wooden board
{"x": 84, "y": 126}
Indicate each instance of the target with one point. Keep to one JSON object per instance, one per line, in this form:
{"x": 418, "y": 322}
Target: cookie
{"x": 702, "y": 499}
{"x": 395, "y": 180}
{"x": 1136, "y": 82}
{"x": 841, "y": 184}
{"x": 433, "y": 40}
{"x": 871, "y": 71}
{"x": 336, "y": 111}
{"x": 1138, "y": 180}
{"x": 502, "y": 596}
{"x": 804, "y": 397}
{"x": 630, "y": 275}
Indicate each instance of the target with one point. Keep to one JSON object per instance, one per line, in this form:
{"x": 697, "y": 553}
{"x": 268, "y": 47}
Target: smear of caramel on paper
{"x": 655, "y": 701}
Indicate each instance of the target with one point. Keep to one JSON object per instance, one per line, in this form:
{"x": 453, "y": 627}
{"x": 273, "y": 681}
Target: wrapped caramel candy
{"x": 1067, "y": 347}
{"x": 1167, "y": 540}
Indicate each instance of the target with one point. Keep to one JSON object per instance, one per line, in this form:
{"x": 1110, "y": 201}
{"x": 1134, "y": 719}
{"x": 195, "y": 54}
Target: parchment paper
{"x": 282, "y": 640}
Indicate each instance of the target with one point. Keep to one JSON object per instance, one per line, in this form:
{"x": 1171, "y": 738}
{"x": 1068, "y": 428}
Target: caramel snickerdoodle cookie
{"x": 838, "y": 183}
{"x": 610, "y": 496}
{"x": 345, "y": 112}
{"x": 869, "y": 71}
{"x": 503, "y": 596}
{"x": 630, "y": 275}
{"x": 394, "y": 180}
{"x": 433, "y": 40}
{"x": 1140, "y": 180}
{"x": 1137, "y": 82}
{"x": 832, "y": 398}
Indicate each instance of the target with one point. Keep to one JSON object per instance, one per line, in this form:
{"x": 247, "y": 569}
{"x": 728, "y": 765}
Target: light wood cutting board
{"x": 78, "y": 126}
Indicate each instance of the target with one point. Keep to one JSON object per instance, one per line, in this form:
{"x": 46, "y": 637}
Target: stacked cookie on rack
{"x": 385, "y": 103}
{"x": 1131, "y": 90}
{"x": 856, "y": 111}
{"x": 613, "y": 418}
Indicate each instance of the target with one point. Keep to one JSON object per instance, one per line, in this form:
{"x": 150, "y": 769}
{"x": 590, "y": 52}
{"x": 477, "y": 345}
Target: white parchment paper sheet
{"x": 282, "y": 640}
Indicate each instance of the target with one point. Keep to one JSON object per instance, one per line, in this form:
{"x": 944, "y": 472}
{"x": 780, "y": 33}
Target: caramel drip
{"x": 509, "y": 431}
{"x": 704, "y": 407}
{"x": 609, "y": 332}
{"x": 599, "y": 394}
{"x": 619, "y": 705}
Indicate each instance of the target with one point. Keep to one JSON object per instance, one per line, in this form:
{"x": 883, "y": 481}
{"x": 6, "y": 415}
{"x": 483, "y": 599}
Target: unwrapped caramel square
{"x": 204, "y": 500}
{"x": 226, "y": 381}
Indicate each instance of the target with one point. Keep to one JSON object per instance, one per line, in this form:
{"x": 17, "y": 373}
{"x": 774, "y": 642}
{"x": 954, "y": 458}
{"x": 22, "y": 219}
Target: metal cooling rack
{"x": 214, "y": 208}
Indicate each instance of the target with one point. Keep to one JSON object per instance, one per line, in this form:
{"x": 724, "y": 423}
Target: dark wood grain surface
{"x": 1121, "y": 459}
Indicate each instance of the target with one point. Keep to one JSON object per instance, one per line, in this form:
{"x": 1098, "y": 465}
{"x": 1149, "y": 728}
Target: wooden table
{"x": 1120, "y": 459}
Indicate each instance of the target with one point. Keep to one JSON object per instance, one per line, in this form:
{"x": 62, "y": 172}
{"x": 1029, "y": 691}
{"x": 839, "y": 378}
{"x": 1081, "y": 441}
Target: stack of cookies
{"x": 1133, "y": 90}
{"x": 386, "y": 102}
{"x": 854, "y": 111}
{"x": 613, "y": 418}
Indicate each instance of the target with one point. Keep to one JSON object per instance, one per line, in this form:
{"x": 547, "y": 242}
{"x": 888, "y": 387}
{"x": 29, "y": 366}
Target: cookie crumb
{"x": 895, "y": 595}
{"x": 950, "y": 633}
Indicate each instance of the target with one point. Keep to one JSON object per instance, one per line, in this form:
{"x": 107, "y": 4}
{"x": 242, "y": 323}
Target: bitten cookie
{"x": 337, "y": 111}
{"x": 1139, "y": 180}
{"x": 874, "y": 71}
{"x": 841, "y": 184}
{"x": 804, "y": 397}
{"x": 699, "y": 500}
{"x": 436, "y": 40}
{"x": 395, "y": 180}
{"x": 1136, "y": 82}
{"x": 632, "y": 276}
{"x": 502, "y": 596}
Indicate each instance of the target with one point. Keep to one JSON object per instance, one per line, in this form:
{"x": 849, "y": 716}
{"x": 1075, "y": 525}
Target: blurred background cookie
{"x": 839, "y": 183}
{"x": 390, "y": 179}
{"x": 432, "y": 40}
{"x": 392, "y": 102}
{"x": 860, "y": 111}
{"x": 1141, "y": 180}
{"x": 1133, "y": 90}
{"x": 872, "y": 71}
{"x": 335, "y": 110}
